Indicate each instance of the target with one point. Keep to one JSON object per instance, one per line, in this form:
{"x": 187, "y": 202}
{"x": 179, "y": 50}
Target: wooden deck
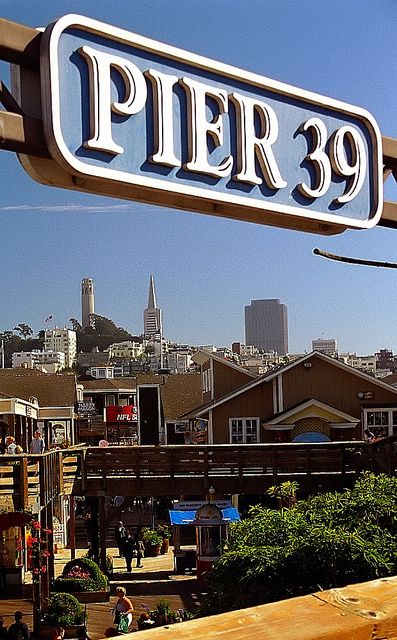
{"x": 366, "y": 611}
{"x": 175, "y": 470}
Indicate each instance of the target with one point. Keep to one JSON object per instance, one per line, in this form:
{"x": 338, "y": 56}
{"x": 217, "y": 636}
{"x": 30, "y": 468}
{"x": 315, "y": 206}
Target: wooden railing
{"x": 177, "y": 470}
{"x": 174, "y": 470}
{"x": 28, "y": 479}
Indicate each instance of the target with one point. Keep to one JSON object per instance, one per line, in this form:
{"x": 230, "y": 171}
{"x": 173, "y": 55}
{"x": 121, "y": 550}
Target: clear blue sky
{"x": 207, "y": 269}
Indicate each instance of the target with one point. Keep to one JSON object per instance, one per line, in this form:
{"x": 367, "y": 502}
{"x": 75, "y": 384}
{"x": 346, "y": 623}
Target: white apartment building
{"x": 102, "y": 373}
{"x": 127, "y": 350}
{"x": 51, "y": 361}
{"x": 65, "y": 340}
{"x": 367, "y": 364}
{"x": 178, "y": 362}
{"x": 329, "y": 347}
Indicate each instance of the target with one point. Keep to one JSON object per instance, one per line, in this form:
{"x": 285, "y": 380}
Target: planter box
{"x": 92, "y": 596}
{"x": 152, "y": 550}
{"x": 165, "y": 546}
{"x": 85, "y": 597}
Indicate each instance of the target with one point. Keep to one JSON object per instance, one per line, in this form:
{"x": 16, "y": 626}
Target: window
{"x": 382, "y": 422}
{"x": 244, "y": 430}
{"x": 207, "y": 380}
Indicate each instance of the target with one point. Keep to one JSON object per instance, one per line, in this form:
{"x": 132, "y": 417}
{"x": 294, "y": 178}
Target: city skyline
{"x": 207, "y": 268}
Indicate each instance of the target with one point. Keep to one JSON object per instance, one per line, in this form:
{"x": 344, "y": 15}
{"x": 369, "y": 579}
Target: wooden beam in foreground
{"x": 357, "y": 612}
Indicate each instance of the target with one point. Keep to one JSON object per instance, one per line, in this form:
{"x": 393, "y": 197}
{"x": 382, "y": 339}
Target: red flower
{"x": 36, "y": 524}
{"x": 43, "y": 569}
{"x": 35, "y": 571}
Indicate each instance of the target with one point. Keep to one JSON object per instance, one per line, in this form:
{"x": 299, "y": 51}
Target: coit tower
{"x": 87, "y": 301}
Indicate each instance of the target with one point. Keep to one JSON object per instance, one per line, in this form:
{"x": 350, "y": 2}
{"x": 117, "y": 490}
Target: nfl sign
{"x": 134, "y": 118}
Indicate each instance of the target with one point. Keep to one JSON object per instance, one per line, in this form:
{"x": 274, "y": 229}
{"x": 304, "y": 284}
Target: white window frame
{"x": 244, "y": 420}
{"x": 388, "y": 410}
{"x": 207, "y": 380}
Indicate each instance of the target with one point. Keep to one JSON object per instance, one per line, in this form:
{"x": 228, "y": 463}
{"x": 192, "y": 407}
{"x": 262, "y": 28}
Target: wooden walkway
{"x": 179, "y": 470}
{"x": 148, "y": 585}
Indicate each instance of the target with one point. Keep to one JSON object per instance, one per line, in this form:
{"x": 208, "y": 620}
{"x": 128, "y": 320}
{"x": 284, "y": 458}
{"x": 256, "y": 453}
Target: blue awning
{"x": 187, "y": 517}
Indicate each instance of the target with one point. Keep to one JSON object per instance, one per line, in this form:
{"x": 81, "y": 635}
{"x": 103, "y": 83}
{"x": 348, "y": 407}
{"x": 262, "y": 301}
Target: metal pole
{"x": 2, "y": 353}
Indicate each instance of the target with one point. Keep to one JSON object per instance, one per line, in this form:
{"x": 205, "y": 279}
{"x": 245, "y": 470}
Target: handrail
{"x": 173, "y": 469}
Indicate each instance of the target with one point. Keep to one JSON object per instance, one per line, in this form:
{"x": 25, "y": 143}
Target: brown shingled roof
{"x": 112, "y": 384}
{"x": 180, "y": 392}
{"x": 51, "y": 389}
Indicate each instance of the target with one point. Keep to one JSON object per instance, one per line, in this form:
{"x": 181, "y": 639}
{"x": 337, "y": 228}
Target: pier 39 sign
{"x": 133, "y": 118}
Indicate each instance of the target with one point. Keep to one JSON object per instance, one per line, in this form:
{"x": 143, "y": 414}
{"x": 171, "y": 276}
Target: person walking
{"x": 139, "y": 547}
{"x": 120, "y": 533}
{"x": 37, "y": 445}
{"x": 128, "y": 550}
{"x": 124, "y": 607}
{"x": 18, "y": 630}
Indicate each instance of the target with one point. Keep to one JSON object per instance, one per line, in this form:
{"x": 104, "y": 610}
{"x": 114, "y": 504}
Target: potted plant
{"x": 163, "y": 614}
{"x": 64, "y": 610}
{"x": 152, "y": 542}
{"x": 164, "y": 532}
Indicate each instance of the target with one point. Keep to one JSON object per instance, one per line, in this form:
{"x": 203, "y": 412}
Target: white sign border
{"x": 51, "y": 108}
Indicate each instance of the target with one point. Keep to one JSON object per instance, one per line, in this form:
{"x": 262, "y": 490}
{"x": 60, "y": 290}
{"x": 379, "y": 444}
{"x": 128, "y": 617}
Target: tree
{"x": 24, "y": 330}
{"x": 326, "y": 541}
{"x": 76, "y": 326}
{"x": 101, "y": 333}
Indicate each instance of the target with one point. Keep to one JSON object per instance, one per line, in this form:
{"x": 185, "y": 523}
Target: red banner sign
{"x": 129, "y": 413}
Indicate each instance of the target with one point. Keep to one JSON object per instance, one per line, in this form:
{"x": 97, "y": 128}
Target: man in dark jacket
{"x": 128, "y": 549}
{"x": 120, "y": 534}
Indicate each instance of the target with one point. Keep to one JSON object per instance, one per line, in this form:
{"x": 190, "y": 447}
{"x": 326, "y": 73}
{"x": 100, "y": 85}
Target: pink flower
{"x": 43, "y": 569}
{"x": 36, "y": 524}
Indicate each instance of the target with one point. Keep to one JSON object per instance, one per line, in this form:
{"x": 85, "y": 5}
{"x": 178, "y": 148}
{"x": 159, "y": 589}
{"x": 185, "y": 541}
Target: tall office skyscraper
{"x": 266, "y": 325}
{"x": 87, "y": 301}
{"x": 152, "y": 315}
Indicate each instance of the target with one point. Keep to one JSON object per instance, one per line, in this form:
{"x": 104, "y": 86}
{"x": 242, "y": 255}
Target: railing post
{"x": 20, "y": 482}
{"x": 240, "y": 469}
{"x": 343, "y": 462}
{"x": 309, "y": 465}
{"x": 206, "y": 470}
{"x": 83, "y": 459}
{"x": 72, "y": 528}
{"x": 274, "y": 464}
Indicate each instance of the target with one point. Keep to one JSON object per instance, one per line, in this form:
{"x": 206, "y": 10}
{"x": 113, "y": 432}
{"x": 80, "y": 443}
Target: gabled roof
{"x": 202, "y": 356}
{"x": 51, "y": 389}
{"x": 270, "y": 376}
{"x": 307, "y": 404}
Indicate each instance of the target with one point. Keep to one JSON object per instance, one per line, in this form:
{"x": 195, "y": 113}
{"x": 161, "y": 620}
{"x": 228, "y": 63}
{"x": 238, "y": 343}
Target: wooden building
{"x": 314, "y": 398}
{"x": 44, "y": 400}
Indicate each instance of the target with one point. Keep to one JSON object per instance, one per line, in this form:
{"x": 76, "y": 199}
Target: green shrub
{"x": 64, "y": 610}
{"x": 327, "y": 541}
{"x": 81, "y": 574}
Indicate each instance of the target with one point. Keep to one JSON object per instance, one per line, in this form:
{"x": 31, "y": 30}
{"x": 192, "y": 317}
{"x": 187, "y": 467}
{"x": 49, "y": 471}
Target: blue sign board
{"x": 171, "y": 127}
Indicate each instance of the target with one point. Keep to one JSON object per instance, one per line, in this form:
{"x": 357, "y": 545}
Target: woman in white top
{"x": 123, "y": 605}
